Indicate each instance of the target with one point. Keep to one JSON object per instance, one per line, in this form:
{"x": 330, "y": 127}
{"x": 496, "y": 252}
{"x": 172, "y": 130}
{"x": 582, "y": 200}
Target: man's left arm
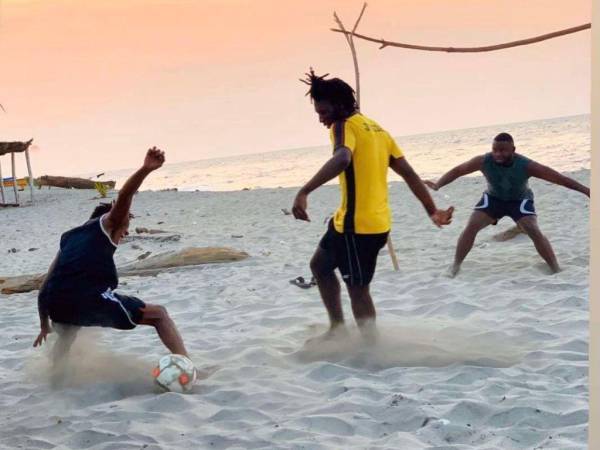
{"x": 538, "y": 170}
{"x": 416, "y": 185}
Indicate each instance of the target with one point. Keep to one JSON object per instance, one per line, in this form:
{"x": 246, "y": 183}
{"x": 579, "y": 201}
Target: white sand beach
{"x": 493, "y": 359}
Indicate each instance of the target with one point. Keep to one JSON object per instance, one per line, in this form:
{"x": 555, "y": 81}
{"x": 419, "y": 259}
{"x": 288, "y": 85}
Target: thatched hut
{"x": 12, "y": 148}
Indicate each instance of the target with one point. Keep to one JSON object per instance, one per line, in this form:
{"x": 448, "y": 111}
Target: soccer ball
{"x": 175, "y": 373}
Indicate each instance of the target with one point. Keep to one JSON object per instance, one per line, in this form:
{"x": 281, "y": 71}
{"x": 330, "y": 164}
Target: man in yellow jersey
{"x": 362, "y": 153}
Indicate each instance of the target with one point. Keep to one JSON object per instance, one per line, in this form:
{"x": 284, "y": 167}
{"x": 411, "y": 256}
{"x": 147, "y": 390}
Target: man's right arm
{"x": 120, "y": 211}
{"x": 344, "y": 142}
{"x": 332, "y": 168}
{"x": 473, "y": 165}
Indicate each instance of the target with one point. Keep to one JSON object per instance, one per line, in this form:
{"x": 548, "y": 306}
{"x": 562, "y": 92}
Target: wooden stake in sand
{"x": 350, "y": 35}
{"x": 2, "y": 185}
{"x": 350, "y": 39}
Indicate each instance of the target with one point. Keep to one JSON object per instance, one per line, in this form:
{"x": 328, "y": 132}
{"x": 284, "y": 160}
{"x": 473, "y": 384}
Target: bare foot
{"x": 369, "y": 332}
{"x": 337, "y": 332}
{"x": 554, "y": 269}
{"x": 452, "y": 271}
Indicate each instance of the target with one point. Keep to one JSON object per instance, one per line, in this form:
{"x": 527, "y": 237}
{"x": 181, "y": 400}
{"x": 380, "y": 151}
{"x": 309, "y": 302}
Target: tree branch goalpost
{"x": 383, "y": 43}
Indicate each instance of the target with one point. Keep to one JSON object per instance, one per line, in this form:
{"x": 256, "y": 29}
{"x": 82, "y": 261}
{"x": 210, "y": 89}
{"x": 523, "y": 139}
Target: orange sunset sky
{"x": 96, "y": 82}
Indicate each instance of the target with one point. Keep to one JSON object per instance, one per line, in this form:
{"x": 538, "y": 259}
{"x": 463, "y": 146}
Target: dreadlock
{"x": 334, "y": 90}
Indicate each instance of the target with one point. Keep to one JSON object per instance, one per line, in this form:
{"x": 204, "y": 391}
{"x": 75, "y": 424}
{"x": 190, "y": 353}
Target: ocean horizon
{"x": 563, "y": 143}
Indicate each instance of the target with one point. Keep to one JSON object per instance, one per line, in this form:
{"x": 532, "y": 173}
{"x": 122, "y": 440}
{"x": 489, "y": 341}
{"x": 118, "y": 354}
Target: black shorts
{"x": 355, "y": 255}
{"x": 497, "y": 209}
{"x": 108, "y": 309}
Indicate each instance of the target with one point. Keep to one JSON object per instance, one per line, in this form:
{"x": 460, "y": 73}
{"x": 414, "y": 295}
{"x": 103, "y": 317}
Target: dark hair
{"x": 504, "y": 137}
{"x": 334, "y": 90}
{"x": 101, "y": 209}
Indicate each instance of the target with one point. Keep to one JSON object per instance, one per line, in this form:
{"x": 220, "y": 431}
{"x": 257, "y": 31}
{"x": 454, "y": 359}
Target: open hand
{"x": 154, "y": 159}
{"x": 44, "y": 331}
{"x": 299, "y": 207}
{"x": 431, "y": 184}
{"x": 442, "y": 217}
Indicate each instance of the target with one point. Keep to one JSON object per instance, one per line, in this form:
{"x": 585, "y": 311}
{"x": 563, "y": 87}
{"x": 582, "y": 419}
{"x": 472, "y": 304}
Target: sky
{"x": 97, "y": 82}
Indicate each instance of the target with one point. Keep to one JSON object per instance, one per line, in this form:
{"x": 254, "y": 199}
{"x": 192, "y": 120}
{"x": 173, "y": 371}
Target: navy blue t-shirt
{"x": 85, "y": 266}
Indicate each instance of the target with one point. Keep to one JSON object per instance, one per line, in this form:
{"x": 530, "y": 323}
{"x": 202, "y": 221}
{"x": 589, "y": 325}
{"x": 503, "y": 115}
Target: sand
{"x": 493, "y": 359}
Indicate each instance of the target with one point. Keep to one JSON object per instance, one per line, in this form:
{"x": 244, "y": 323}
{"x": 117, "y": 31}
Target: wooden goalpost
{"x": 350, "y": 35}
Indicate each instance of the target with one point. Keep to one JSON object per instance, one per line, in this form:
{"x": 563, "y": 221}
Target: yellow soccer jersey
{"x": 364, "y": 208}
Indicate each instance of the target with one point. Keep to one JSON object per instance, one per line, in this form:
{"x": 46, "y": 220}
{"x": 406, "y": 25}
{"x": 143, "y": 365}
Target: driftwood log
{"x": 163, "y": 262}
{"x": 71, "y": 182}
{"x": 23, "y": 283}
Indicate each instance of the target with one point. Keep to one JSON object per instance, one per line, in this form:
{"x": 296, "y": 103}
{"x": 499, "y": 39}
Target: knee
{"x": 472, "y": 228}
{"x": 533, "y": 232}
{"x": 358, "y": 292}
{"x": 470, "y": 232}
{"x": 154, "y": 314}
{"x": 317, "y": 268}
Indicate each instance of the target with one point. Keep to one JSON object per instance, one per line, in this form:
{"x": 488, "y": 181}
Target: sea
{"x": 561, "y": 143}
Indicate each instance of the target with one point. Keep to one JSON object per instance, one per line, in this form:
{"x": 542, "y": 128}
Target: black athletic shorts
{"x": 355, "y": 255}
{"x": 497, "y": 209}
{"x": 108, "y": 309}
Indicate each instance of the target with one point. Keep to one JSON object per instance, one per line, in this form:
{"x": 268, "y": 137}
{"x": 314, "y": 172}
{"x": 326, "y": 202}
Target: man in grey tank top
{"x": 507, "y": 194}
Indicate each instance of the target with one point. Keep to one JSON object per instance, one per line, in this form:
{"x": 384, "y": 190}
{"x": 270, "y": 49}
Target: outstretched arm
{"x": 546, "y": 173}
{"x": 45, "y": 328}
{"x": 404, "y": 169}
{"x": 337, "y": 164}
{"x": 473, "y": 165}
{"x": 120, "y": 211}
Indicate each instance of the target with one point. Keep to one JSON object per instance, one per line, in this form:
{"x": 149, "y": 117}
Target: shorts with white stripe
{"x": 497, "y": 208}
{"x": 355, "y": 255}
{"x": 108, "y": 309}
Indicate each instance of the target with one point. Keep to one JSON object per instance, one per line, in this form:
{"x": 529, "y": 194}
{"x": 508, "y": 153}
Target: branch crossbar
{"x": 489, "y": 48}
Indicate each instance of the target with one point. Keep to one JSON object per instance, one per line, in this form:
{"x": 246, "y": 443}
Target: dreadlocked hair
{"x": 334, "y": 90}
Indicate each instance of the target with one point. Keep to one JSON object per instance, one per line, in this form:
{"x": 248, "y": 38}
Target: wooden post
{"x": 488, "y": 48}
{"x": 350, "y": 35}
{"x": 14, "y": 176}
{"x": 29, "y": 172}
{"x": 350, "y": 40}
{"x": 2, "y": 185}
{"x": 390, "y": 247}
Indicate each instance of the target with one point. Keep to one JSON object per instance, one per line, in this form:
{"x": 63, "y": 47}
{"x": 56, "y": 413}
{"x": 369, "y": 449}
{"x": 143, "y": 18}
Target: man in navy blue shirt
{"x": 79, "y": 288}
